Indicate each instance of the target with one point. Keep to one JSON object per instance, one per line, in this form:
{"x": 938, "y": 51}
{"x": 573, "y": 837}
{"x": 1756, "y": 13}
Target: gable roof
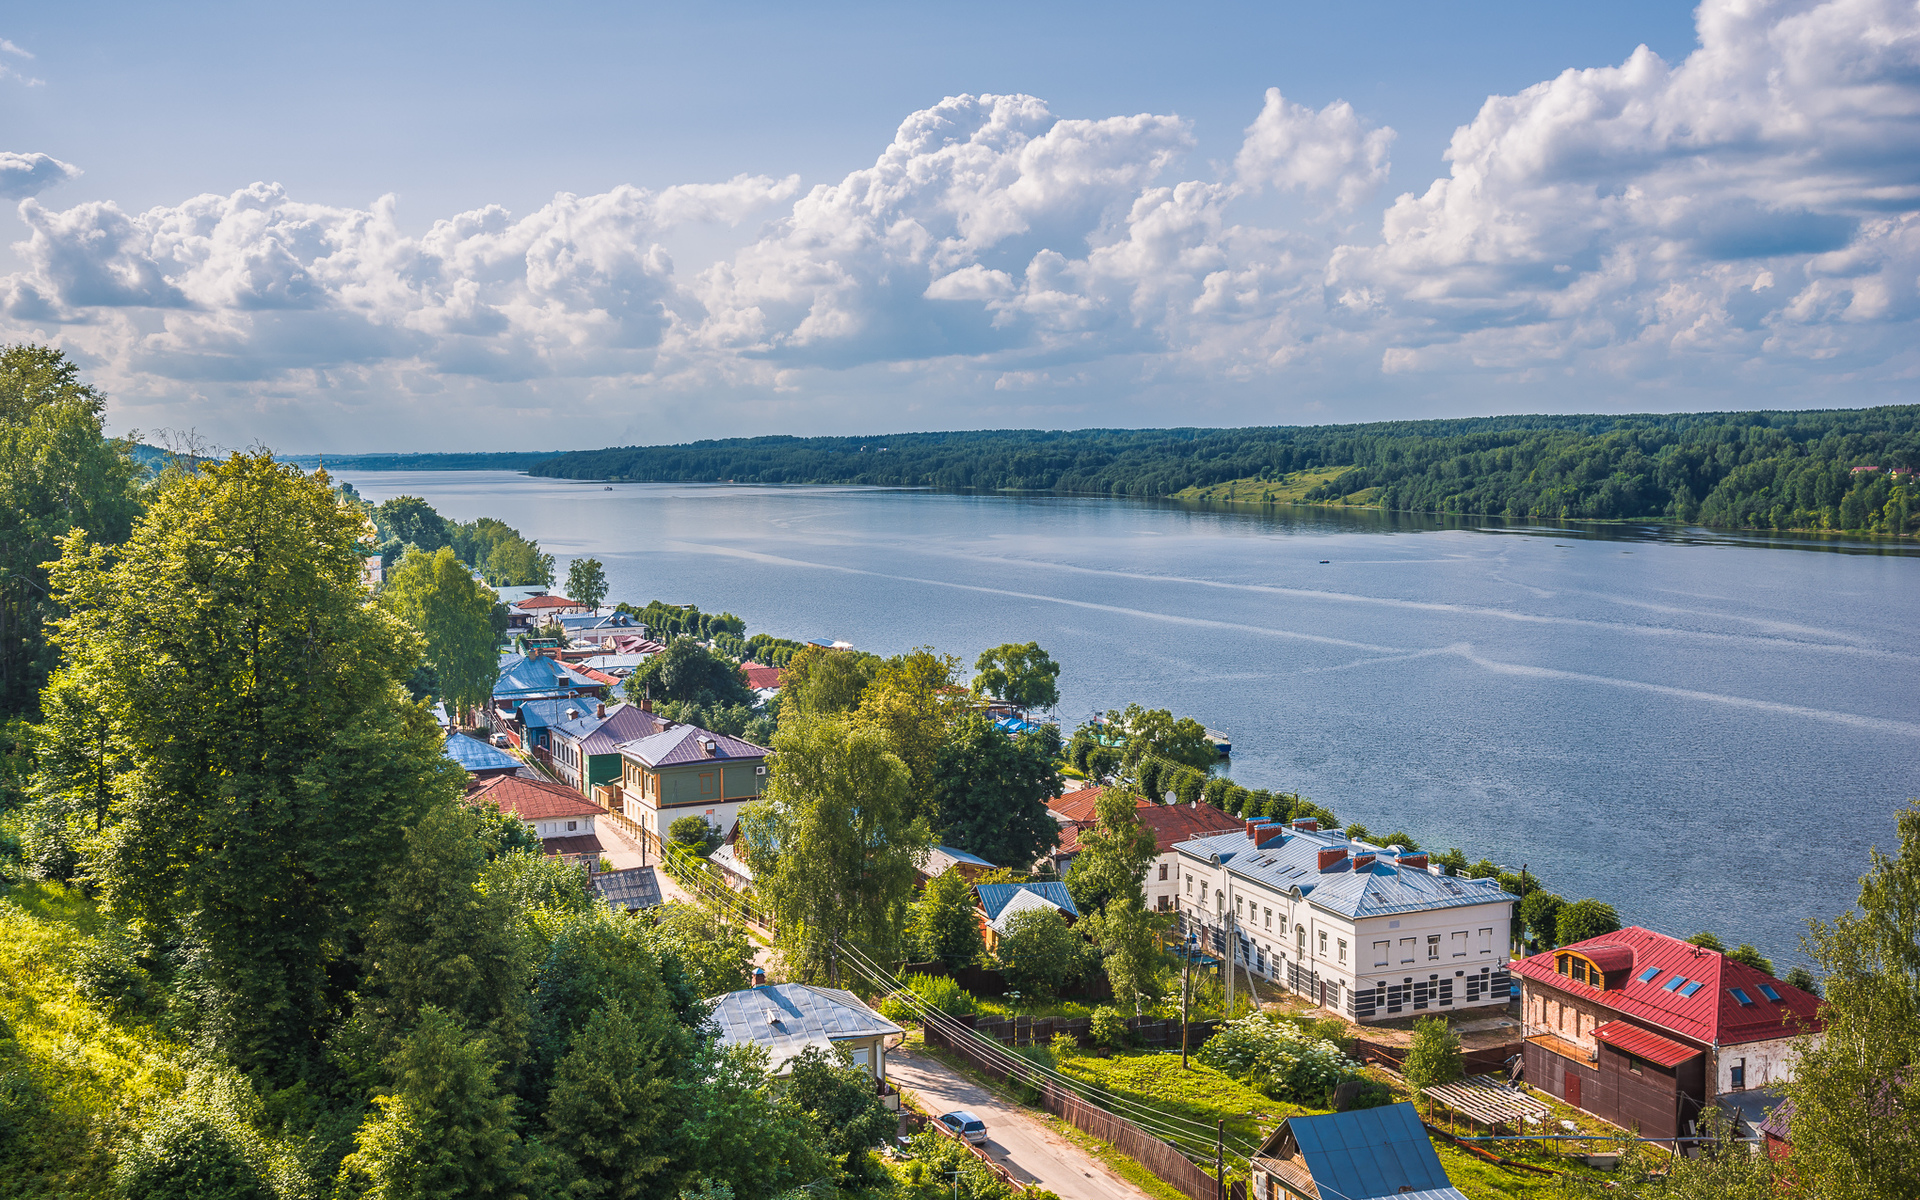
{"x": 942, "y": 859}
{"x": 603, "y": 735}
{"x": 534, "y": 603}
{"x": 787, "y": 1018}
{"x": 529, "y": 676}
{"x": 606, "y": 626}
{"x": 1291, "y": 858}
{"x": 631, "y": 890}
{"x": 533, "y": 799}
{"x": 761, "y": 676}
{"x": 1076, "y": 805}
{"x": 1708, "y": 1014}
{"x": 1175, "y": 823}
{"x": 994, "y": 897}
{"x": 476, "y": 756}
{"x": 1020, "y": 902}
{"x": 1364, "y": 1154}
{"x": 680, "y": 745}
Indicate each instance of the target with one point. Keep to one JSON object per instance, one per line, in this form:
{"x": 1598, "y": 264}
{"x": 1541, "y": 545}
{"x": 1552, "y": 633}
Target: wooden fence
{"x": 1167, "y": 1161}
{"x": 1031, "y": 1031}
{"x": 1489, "y": 1060}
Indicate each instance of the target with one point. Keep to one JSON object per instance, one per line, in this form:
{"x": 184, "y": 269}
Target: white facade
{"x": 1423, "y": 947}
{"x": 560, "y": 827}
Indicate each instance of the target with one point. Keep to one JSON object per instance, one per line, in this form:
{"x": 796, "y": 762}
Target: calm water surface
{"x": 1708, "y": 733}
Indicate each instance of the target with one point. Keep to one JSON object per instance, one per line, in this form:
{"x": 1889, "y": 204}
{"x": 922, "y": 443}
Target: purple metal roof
{"x": 680, "y": 745}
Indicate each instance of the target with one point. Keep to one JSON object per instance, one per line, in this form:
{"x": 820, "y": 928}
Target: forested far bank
{"x": 1843, "y": 469}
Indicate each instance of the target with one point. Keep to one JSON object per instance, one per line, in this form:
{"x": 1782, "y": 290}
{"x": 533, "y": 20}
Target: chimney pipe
{"x": 1363, "y": 861}
{"x": 600, "y": 709}
{"x": 646, "y": 705}
{"x": 1310, "y": 824}
{"x": 1332, "y": 857}
{"x": 1413, "y": 860}
{"x": 759, "y": 977}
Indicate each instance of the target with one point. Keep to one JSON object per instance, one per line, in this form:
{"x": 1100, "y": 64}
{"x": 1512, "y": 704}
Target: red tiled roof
{"x": 533, "y": 799}
{"x": 582, "y": 843}
{"x": 1076, "y": 806}
{"x": 1644, "y": 1043}
{"x": 599, "y": 676}
{"x": 761, "y": 676}
{"x": 1170, "y": 823}
{"x": 1712, "y": 1014}
{"x": 533, "y": 602}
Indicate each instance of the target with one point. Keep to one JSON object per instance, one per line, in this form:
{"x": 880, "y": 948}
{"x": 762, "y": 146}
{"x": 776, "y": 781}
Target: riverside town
{"x": 350, "y": 849}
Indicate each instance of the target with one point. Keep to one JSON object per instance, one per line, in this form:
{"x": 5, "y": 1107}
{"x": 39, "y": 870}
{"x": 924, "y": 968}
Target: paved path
{"x": 1029, "y": 1150}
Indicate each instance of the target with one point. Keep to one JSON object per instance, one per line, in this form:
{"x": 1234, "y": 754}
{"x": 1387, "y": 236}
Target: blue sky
{"x": 360, "y": 227}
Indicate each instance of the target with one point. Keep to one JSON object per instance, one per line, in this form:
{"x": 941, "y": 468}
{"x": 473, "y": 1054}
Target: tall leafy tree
{"x": 1585, "y": 919}
{"x": 587, "y": 582}
{"x": 1155, "y": 733}
{"x": 990, "y": 793}
{"x": 835, "y": 844}
{"x": 413, "y": 522}
{"x": 1021, "y": 675}
{"x": 945, "y": 923}
{"x": 915, "y": 703}
{"x": 445, "y": 1131}
{"x": 613, "y": 1110}
{"x": 1856, "y": 1090}
{"x": 1112, "y": 863}
{"x": 839, "y": 1100}
{"x": 1124, "y": 931}
{"x": 266, "y": 759}
{"x": 688, "y": 673}
{"x": 822, "y": 681}
{"x": 58, "y": 473}
{"x": 441, "y": 600}
{"x": 1039, "y": 952}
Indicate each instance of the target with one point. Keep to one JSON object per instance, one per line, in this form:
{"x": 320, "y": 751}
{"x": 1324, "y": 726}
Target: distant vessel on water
{"x": 1221, "y": 741}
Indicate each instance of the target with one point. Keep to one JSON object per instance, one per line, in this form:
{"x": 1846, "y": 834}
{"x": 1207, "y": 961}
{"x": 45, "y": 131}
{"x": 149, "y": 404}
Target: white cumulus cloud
{"x": 24, "y": 175}
{"x": 1332, "y": 152}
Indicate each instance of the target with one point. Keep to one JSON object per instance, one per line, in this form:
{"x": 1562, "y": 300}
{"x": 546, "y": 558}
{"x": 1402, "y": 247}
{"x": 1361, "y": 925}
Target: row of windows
{"x": 1248, "y": 913}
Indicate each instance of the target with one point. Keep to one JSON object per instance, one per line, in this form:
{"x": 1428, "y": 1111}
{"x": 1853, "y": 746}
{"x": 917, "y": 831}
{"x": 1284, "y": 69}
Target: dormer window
{"x": 1578, "y": 967}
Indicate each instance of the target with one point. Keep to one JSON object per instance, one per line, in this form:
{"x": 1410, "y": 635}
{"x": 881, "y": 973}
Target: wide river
{"x": 1707, "y": 732}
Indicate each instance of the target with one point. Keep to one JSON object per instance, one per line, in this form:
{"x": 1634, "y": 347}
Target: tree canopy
{"x": 990, "y": 793}
{"x": 437, "y": 596}
{"x": 587, "y": 582}
{"x": 1020, "y": 675}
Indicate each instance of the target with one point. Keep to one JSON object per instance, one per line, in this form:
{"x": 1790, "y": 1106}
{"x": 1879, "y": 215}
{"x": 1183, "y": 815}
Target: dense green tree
{"x": 1434, "y": 1056}
{"x": 1709, "y": 941}
{"x": 1802, "y": 978}
{"x": 1540, "y": 917}
{"x": 413, "y": 522}
{"x": 517, "y": 562}
{"x": 1215, "y": 792}
{"x": 835, "y": 844}
{"x": 441, "y": 601}
{"x": 612, "y": 1109}
{"x": 1855, "y": 1090}
{"x": 445, "y": 1132}
{"x": 1744, "y": 953}
{"x": 595, "y": 957}
{"x": 1585, "y": 919}
{"x": 587, "y": 582}
{"x": 201, "y": 1145}
{"x": 1454, "y": 861}
{"x": 442, "y": 940}
{"x": 840, "y": 1101}
{"x": 744, "y": 1132}
{"x": 915, "y": 703}
{"x": 1131, "y": 954}
{"x": 58, "y": 473}
{"x": 1114, "y": 855}
{"x": 1155, "y": 733}
{"x": 714, "y": 955}
{"x": 1358, "y": 832}
{"x": 1406, "y": 843}
{"x": 944, "y": 922}
{"x": 263, "y": 779}
{"x": 990, "y": 793}
{"x": 1020, "y": 675}
{"x": 1039, "y": 953}
{"x": 689, "y": 673}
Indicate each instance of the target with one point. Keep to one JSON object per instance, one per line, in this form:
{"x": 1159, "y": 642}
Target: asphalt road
{"x": 1030, "y": 1151}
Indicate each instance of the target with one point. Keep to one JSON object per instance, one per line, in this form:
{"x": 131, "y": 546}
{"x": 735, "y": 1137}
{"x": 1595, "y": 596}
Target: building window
{"x": 1737, "y": 1074}
{"x": 1343, "y": 950}
{"x": 1380, "y": 953}
{"x": 1323, "y": 943}
{"x": 1166, "y": 903}
{"x": 1633, "y": 1064}
{"x": 572, "y": 825}
{"x": 1189, "y": 885}
{"x": 1433, "y": 946}
{"x": 1406, "y": 949}
{"x": 1163, "y": 872}
{"x": 1238, "y": 904}
{"x": 1220, "y": 902}
{"x": 1269, "y": 913}
{"x": 1486, "y": 941}
{"x": 1300, "y": 936}
{"x": 1460, "y": 944}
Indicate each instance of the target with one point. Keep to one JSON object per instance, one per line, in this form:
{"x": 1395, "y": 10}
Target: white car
{"x": 501, "y": 740}
{"x": 963, "y": 1124}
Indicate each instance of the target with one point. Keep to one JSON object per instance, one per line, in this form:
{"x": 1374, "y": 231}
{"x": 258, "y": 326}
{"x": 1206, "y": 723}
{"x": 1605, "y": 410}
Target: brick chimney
{"x": 1414, "y": 860}
{"x": 1362, "y": 861}
{"x": 600, "y": 709}
{"x": 1270, "y": 834}
{"x": 1332, "y": 857}
{"x": 646, "y": 705}
{"x": 759, "y": 977}
{"x": 1309, "y": 824}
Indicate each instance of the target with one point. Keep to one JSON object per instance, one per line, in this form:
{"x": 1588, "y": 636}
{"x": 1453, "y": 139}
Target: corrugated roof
{"x": 623, "y": 723}
{"x": 787, "y": 1018}
{"x": 476, "y": 756}
{"x": 1076, "y": 805}
{"x": 760, "y": 675}
{"x": 1659, "y": 990}
{"x": 524, "y": 676}
{"x": 532, "y": 603}
{"x": 534, "y": 799}
{"x": 1368, "y": 1153}
{"x": 1381, "y": 888}
{"x": 633, "y": 889}
{"x": 996, "y": 896}
{"x": 941, "y": 859}
{"x": 681, "y": 744}
{"x": 1020, "y": 902}
{"x": 1644, "y": 1043}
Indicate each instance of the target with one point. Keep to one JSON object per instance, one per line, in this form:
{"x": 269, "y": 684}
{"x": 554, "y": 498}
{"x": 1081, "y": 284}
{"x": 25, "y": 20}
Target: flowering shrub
{"x": 1279, "y": 1059}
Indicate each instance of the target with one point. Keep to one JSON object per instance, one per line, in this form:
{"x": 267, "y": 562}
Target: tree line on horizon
{"x": 1773, "y": 470}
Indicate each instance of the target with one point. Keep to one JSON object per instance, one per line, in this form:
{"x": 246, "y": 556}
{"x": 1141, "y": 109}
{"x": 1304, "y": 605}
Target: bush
{"x": 1038, "y": 953}
{"x": 1063, "y": 1047}
{"x": 1586, "y": 919}
{"x": 1108, "y": 1027}
{"x": 1366, "y": 1093}
{"x": 1434, "y": 1058}
{"x": 937, "y": 992}
{"x": 1278, "y": 1058}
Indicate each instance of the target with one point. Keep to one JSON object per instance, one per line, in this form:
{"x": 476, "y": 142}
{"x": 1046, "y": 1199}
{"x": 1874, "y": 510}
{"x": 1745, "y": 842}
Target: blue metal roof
{"x": 1381, "y": 888}
{"x": 526, "y": 676}
{"x": 1368, "y": 1152}
{"x": 475, "y": 755}
{"x": 995, "y": 896}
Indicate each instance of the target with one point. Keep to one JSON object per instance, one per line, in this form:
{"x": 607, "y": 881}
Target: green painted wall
{"x": 707, "y": 783}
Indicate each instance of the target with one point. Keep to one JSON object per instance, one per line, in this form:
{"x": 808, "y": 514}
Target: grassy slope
{"x": 1288, "y": 489}
{"x": 71, "y": 1075}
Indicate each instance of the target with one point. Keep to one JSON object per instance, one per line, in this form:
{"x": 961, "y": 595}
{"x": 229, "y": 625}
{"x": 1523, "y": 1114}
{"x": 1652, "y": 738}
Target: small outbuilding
{"x": 1364, "y": 1154}
{"x": 481, "y": 761}
{"x": 634, "y": 889}
{"x": 790, "y": 1018}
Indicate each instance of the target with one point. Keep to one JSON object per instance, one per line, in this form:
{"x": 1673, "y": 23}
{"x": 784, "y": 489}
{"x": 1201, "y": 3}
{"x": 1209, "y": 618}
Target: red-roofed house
{"x": 545, "y": 608}
{"x": 1076, "y": 806}
{"x": 761, "y": 677}
{"x": 1643, "y": 1029}
{"x": 562, "y": 818}
{"x": 1170, "y": 823}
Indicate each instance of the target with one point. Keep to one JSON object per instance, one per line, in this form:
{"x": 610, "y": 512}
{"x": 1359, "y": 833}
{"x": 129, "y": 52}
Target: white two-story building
{"x": 1360, "y": 929}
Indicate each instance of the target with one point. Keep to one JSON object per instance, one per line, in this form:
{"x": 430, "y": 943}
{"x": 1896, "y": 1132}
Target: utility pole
{"x": 1226, "y": 922}
{"x": 1220, "y": 1160}
{"x": 1186, "y": 974}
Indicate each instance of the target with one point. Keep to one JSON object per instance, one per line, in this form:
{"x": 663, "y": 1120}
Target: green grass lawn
{"x": 1286, "y": 490}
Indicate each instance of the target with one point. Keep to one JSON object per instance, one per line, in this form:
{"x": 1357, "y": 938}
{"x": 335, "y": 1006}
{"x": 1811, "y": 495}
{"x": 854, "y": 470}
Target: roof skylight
{"x": 1690, "y": 989}
{"x": 1766, "y": 989}
{"x": 1648, "y": 974}
{"x": 1673, "y": 983}
{"x": 1741, "y": 996}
